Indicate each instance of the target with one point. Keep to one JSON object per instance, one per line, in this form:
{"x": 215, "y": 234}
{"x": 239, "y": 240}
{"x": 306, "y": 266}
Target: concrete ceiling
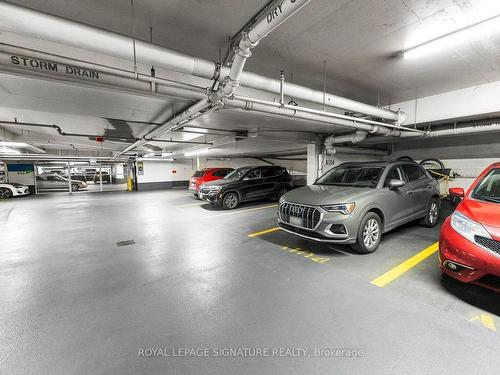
{"x": 356, "y": 37}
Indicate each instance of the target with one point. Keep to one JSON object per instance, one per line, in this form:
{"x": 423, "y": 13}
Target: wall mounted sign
{"x": 140, "y": 168}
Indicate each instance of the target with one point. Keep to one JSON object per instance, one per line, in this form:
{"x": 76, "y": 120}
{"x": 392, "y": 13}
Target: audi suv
{"x": 355, "y": 203}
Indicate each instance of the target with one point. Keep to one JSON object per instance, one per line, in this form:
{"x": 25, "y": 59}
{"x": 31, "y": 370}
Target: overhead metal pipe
{"x": 119, "y": 78}
{"x": 172, "y": 124}
{"x": 256, "y": 105}
{"x": 348, "y": 123}
{"x": 25, "y": 21}
{"x": 358, "y": 151}
{"x": 182, "y": 142}
{"x": 19, "y": 59}
{"x": 468, "y": 130}
{"x": 279, "y": 12}
{"x": 358, "y": 136}
{"x": 284, "y": 9}
{"x": 331, "y": 140}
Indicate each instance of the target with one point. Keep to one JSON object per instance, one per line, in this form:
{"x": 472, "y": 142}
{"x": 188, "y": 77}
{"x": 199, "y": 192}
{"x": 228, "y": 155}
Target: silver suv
{"x": 354, "y": 203}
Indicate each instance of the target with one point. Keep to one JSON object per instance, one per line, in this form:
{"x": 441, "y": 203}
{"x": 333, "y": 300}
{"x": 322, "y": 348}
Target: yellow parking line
{"x": 240, "y": 211}
{"x": 264, "y": 232}
{"x": 408, "y": 264}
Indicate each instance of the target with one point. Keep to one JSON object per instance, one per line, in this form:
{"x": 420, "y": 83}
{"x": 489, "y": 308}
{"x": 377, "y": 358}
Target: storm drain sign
{"x": 125, "y": 243}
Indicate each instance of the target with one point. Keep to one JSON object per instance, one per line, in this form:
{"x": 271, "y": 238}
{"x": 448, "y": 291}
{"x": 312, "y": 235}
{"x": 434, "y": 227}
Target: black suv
{"x": 247, "y": 184}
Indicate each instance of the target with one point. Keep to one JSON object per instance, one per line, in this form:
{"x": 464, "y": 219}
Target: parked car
{"x": 469, "y": 243}
{"x": 105, "y": 177}
{"x": 246, "y": 184}
{"x": 13, "y": 190}
{"x": 206, "y": 175}
{"x": 355, "y": 203}
{"x": 56, "y": 182}
{"x": 78, "y": 177}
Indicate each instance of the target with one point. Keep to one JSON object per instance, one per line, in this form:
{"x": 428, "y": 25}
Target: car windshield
{"x": 352, "y": 175}
{"x": 237, "y": 174}
{"x": 489, "y": 188}
{"x": 199, "y": 174}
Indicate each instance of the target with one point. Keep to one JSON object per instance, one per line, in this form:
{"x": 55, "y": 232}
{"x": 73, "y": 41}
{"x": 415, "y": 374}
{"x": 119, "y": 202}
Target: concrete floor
{"x": 89, "y": 280}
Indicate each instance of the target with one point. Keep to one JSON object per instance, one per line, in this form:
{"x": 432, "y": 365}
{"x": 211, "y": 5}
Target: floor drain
{"x": 125, "y": 243}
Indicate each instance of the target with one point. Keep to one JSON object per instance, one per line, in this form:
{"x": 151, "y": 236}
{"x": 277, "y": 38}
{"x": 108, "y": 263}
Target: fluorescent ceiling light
{"x": 197, "y": 152}
{"x": 8, "y": 150}
{"x": 22, "y": 145}
{"x": 469, "y": 33}
{"x": 195, "y": 130}
{"x": 155, "y": 159}
{"x": 14, "y": 144}
{"x": 165, "y": 153}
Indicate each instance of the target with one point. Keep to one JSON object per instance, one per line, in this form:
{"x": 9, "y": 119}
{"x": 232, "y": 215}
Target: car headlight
{"x": 343, "y": 208}
{"x": 467, "y": 227}
{"x": 282, "y": 200}
{"x": 214, "y": 189}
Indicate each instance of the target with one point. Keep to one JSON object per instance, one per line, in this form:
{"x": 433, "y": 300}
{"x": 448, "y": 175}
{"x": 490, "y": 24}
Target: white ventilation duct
{"x": 40, "y": 25}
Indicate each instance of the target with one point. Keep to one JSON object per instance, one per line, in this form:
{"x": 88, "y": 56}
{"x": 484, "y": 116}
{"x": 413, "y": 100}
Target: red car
{"x": 206, "y": 175}
{"x": 469, "y": 244}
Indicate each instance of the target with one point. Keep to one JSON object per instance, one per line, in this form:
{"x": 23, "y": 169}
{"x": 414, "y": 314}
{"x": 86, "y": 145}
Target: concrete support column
{"x": 100, "y": 178}
{"x": 69, "y": 178}
{"x": 313, "y": 162}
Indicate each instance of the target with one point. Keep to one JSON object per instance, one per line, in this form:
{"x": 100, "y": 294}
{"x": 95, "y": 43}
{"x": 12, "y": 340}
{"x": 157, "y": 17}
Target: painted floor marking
{"x": 264, "y": 232}
{"x": 404, "y": 267}
{"x": 306, "y": 254}
{"x": 190, "y": 204}
{"x": 486, "y": 320}
{"x": 241, "y": 211}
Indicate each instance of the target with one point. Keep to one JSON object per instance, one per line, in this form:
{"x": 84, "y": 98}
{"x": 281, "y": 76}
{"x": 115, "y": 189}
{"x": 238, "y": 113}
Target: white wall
{"x": 291, "y": 165}
{"x": 468, "y": 156}
{"x": 163, "y": 171}
{"x": 471, "y": 101}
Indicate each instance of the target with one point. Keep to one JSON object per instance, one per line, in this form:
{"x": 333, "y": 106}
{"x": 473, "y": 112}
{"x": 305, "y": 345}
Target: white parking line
{"x": 241, "y": 211}
{"x": 191, "y": 204}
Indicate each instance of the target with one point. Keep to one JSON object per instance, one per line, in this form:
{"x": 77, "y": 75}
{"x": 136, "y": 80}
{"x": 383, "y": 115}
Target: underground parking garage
{"x": 261, "y": 187}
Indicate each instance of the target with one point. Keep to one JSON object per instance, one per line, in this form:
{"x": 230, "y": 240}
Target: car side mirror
{"x": 396, "y": 184}
{"x": 457, "y": 192}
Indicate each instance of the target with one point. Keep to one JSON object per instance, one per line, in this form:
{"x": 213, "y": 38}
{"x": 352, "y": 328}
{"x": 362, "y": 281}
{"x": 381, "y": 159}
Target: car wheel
{"x": 230, "y": 201}
{"x": 281, "y": 191}
{"x": 75, "y": 187}
{"x": 369, "y": 234}
{"x": 432, "y": 214}
{"x": 5, "y": 193}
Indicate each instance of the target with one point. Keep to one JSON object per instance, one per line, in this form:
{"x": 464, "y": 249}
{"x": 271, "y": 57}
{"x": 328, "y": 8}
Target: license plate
{"x": 296, "y": 221}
